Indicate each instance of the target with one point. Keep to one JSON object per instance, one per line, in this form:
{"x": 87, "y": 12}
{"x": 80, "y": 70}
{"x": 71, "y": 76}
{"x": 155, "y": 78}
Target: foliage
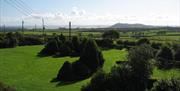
{"x": 30, "y": 41}
{"x": 164, "y": 57}
{"x": 90, "y": 60}
{"x": 143, "y": 41}
{"x": 167, "y": 85}
{"x": 133, "y": 76}
{"x": 66, "y": 72}
{"x": 4, "y": 87}
{"x": 156, "y": 45}
{"x": 92, "y": 56}
{"x": 111, "y": 34}
{"x": 59, "y": 46}
{"x": 104, "y": 43}
{"x": 50, "y": 48}
{"x": 139, "y": 59}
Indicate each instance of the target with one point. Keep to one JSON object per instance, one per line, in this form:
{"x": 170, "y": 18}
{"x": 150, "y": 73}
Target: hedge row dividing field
{"x": 22, "y": 69}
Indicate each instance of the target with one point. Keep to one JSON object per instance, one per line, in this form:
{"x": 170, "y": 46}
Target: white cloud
{"x": 82, "y": 17}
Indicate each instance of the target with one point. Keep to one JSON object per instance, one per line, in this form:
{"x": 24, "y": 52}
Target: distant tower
{"x": 69, "y": 30}
{"x": 43, "y": 26}
{"x": 22, "y": 27}
{"x": 4, "y": 29}
{"x": 34, "y": 28}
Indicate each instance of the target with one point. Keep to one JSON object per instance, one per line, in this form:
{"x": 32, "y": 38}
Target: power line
{"x": 26, "y": 5}
{"x": 20, "y": 7}
{"x": 16, "y": 8}
{"x": 23, "y": 6}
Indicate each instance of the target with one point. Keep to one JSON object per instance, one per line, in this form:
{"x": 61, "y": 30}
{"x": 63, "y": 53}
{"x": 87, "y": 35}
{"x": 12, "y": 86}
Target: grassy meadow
{"x": 22, "y": 69}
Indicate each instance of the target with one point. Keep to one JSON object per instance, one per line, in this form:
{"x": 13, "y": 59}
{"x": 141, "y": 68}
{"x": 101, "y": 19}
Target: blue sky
{"x": 92, "y": 12}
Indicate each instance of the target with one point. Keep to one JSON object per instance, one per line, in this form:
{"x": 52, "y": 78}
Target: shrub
{"x": 126, "y": 43}
{"x": 80, "y": 70}
{"x": 30, "y": 41}
{"x": 164, "y": 57}
{"x": 156, "y": 45}
{"x": 177, "y": 54}
{"x": 111, "y": 34}
{"x": 133, "y": 76}
{"x": 92, "y": 56}
{"x": 139, "y": 60}
{"x": 76, "y": 46}
{"x": 50, "y": 48}
{"x": 66, "y": 72}
{"x": 62, "y": 38}
{"x": 10, "y": 40}
{"x": 90, "y": 60}
{"x": 167, "y": 85}
{"x": 107, "y": 43}
{"x": 143, "y": 41}
{"x": 65, "y": 48}
{"x": 4, "y": 87}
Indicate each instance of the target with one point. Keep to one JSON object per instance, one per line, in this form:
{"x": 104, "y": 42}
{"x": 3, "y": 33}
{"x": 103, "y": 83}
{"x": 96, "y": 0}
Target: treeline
{"x": 10, "y": 40}
{"x": 60, "y": 46}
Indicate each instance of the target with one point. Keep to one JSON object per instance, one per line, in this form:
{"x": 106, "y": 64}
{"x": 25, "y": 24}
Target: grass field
{"x": 23, "y": 70}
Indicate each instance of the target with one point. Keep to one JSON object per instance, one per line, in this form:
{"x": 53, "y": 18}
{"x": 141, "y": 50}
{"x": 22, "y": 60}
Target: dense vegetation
{"x": 11, "y": 40}
{"x": 89, "y": 62}
{"x": 132, "y": 76}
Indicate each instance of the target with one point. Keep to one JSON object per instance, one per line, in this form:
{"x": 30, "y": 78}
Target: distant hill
{"x": 126, "y": 25}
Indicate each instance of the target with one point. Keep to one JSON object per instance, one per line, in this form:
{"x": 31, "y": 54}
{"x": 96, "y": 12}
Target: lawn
{"x": 23, "y": 70}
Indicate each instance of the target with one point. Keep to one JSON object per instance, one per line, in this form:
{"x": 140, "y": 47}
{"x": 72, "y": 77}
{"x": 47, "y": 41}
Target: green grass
{"x": 23, "y": 70}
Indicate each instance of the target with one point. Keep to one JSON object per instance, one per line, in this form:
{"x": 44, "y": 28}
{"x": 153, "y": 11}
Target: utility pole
{"x": 35, "y": 27}
{"x": 22, "y": 27}
{"x": 4, "y": 29}
{"x": 70, "y": 30}
{"x": 43, "y": 26}
{"x": 43, "y": 29}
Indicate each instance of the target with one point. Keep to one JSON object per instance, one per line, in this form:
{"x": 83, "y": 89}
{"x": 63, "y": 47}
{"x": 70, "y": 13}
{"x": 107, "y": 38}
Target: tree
{"x": 133, "y": 76}
{"x": 66, "y": 72}
{"x": 92, "y": 56}
{"x": 164, "y": 57}
{"x": 143, "y": 41}
{"x": 76, "y": 45}
{"x": 167, "y": 85}
{"x": 177, "y": 54}
{"x": 112, "y": 34}
{"x": 10, "y": 40}
{"x": 50, "y": 48}
{"x": 139, "y": 60}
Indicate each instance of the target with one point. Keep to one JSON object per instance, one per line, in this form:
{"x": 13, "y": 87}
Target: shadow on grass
{"x": 63, "y": 83}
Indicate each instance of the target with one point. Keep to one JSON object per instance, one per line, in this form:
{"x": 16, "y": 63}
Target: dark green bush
{"x": 4, "y": 87}
{"x": 133, "y": 76}
{"x": 30, "y": 41}
{"x": 92, "y": 56}
{"x": 156, "y": 45}
{"x": 105, "y": 43}
{"x": 143, "y": 41}
{"x": 177, "y": 54}
{"x": 90, "y": 60}
{"x": 164, "y": 57}
{"x": 66, "y": 72}
{"x": 111, "y": 34}
{"x": 167, "y": 85}
{"x": 50, "y": 48}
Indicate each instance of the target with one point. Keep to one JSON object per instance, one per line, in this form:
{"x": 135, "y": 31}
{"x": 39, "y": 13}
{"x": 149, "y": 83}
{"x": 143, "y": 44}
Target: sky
{"x": 90, "y": 12}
